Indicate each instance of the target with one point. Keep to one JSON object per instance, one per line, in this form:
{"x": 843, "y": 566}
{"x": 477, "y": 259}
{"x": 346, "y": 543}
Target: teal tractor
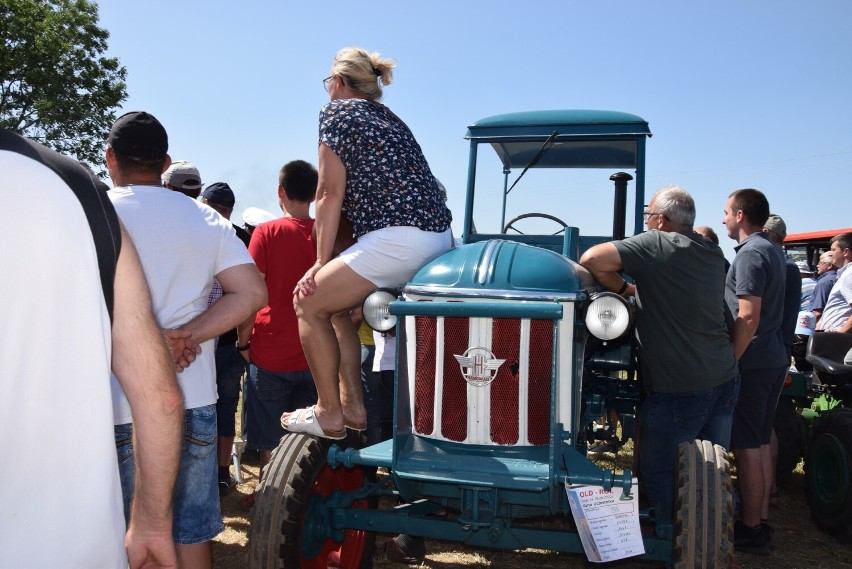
{"x": 510, "y": 361}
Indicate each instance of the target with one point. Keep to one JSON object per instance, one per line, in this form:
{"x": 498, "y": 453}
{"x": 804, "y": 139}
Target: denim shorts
{"x": 668, "y": 419}
{"x": 230, "y": 368}
{"x": 197, "y": 512}
{"x": 268, "y": 395}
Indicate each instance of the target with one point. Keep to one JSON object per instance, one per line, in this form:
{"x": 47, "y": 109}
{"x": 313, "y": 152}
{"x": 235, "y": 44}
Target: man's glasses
{"x": 646, "y": 215}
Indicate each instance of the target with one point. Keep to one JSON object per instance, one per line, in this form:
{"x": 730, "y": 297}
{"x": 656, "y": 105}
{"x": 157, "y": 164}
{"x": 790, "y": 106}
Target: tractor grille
{"x": 505, "y": 398}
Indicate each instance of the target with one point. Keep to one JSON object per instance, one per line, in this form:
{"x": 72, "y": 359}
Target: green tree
{"x": 57, "y": 86}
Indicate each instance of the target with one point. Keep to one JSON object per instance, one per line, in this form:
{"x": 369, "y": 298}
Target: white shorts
{"x": 389, "y": 257}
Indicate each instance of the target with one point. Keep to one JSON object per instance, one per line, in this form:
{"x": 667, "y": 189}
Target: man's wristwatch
{"x": 244, "y": 348}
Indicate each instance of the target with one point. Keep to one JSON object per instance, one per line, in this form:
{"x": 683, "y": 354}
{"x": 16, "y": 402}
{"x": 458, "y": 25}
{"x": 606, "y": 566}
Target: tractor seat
{"x": 826, "y": 351}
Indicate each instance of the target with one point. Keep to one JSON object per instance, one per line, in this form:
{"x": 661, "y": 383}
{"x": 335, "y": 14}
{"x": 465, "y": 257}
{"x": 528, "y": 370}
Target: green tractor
{"x": 814, "y": 421}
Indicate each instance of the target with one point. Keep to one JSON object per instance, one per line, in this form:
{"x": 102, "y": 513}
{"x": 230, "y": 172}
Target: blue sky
{"x": 737, "y": 94}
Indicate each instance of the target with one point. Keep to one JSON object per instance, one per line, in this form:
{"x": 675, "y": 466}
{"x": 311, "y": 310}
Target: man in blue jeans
{"x": 687, "y": 362}
{"x": 182, "y": 245}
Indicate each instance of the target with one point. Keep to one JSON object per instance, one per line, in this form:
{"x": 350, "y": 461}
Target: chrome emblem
{"x": 478, "y": 366}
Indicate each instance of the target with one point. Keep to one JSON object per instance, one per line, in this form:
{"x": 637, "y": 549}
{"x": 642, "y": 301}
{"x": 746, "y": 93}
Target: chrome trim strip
{"x": 464, "y": 294}
{"x": 485, "y": 268}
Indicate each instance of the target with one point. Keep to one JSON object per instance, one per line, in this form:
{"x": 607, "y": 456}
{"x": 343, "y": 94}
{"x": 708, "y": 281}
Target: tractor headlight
{"x": 375, "y": 309}
{"x": 608, "y": 316}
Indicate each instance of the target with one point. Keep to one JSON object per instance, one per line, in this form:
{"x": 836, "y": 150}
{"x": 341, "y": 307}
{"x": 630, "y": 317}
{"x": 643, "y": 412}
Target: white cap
{"x": 805, "y": 323}
{"x": 182, "y": 174}
{"x": 254, "y": 216}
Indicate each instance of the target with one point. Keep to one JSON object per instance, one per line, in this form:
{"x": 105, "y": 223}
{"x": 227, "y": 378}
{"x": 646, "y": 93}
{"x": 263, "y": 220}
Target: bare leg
{"x": 750, "y": 477}
{"x": 196, "y": 556}
{"x": 768, "y": 479}
{"x": 773, "y": 447}
{"x": 226, "y": 444}
{"x": 351, "y": 390}
{"x": 338, "y": 289}
{"x": 265, "y": 458}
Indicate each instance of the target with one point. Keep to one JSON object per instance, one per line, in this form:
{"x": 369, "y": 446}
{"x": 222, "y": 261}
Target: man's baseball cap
{"x": 775, "y": 224}
{"x": 182, "y": 175}
{"x": 138, "y": 134}
{"x": 219, "y": 193}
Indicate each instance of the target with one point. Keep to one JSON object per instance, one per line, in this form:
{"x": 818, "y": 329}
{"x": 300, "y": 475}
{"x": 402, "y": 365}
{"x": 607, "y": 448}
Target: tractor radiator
{"x": 481, "y": 380}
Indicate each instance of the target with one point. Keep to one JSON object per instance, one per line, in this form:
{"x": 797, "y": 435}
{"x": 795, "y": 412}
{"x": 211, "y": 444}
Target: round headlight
{"x": 608, "y": 316}
{"x": 375, "y": 309}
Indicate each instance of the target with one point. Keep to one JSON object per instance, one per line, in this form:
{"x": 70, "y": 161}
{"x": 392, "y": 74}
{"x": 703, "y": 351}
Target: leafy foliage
{"x": 56, "y": 85}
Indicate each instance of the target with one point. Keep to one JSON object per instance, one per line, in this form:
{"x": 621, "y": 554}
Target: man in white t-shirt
{"x": 183, "y": 245}
{"x": 837, "y": 315}
{"x": 78, "y": 304}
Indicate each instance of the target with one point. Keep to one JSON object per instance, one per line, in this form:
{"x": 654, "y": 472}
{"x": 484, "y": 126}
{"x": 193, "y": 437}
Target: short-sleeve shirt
{"x": 182, "y": 244}
{"x": 758, "y": 270}
{"x": 388, "y": 181}
{"x": 54, "y": 374}
{"x": 838, "y": 307}
{"x": 792, "y": 302}
{"x": 283, "y": 250}
{"x": 808, "y": 286}
{"x": 680, "y": 319}
{"x": 822, "y": 289}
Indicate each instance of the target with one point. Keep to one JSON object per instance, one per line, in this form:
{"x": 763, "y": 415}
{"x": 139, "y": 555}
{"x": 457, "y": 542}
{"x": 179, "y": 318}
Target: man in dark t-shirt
{"x": 685, "y": 352}
{"x": 754, "y": 293}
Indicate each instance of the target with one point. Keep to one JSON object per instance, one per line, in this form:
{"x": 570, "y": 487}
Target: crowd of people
{"x": 716, "y": 338}
{"x": 176, "y": 304}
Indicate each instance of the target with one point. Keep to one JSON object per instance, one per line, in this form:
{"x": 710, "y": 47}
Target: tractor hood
{"x": 502, "y": 269}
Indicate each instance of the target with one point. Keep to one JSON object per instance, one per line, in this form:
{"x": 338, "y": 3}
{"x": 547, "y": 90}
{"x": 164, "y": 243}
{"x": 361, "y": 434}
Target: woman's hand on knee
{"x": 307, "y": 284}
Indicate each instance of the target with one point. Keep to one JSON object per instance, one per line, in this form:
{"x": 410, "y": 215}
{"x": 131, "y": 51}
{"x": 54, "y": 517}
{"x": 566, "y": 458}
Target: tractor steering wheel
{"x": 528, "y": 215}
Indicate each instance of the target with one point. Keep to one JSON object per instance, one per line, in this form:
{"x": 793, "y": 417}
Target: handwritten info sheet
{"x": 607, "y": 521}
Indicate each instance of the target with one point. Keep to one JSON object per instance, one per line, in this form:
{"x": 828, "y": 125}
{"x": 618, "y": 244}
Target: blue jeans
{"x": 230, "y": 368}
{"x": 269, "y": 394}
{"x": 197, "y": 511}
{"x": 668, "y": 419}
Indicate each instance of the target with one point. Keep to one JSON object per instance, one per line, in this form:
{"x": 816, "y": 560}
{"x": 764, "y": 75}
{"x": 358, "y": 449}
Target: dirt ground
{"x": 799, "y": 544}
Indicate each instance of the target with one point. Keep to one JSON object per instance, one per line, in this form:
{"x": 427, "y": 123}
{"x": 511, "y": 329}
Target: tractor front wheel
{"x": 289, "y": 526}
{"x": 704, "y": 508}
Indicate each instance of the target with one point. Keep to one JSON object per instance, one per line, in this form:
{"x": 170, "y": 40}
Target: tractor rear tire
{"x": 828, "y": 466}
{"x": 704, "y": 508}
{"x": 297, "y": 473}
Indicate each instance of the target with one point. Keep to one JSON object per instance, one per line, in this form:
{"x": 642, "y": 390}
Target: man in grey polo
{"x": 754, "y": 293}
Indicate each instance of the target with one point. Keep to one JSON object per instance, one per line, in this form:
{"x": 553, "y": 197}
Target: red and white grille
{"x": 481, "y": 380}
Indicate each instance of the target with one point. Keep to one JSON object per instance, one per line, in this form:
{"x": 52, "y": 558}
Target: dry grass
{"x": 799, "y": 544}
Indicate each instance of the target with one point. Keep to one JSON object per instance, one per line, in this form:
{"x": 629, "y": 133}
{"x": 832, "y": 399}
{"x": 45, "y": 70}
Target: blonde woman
{"x": 372, "y": 173}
